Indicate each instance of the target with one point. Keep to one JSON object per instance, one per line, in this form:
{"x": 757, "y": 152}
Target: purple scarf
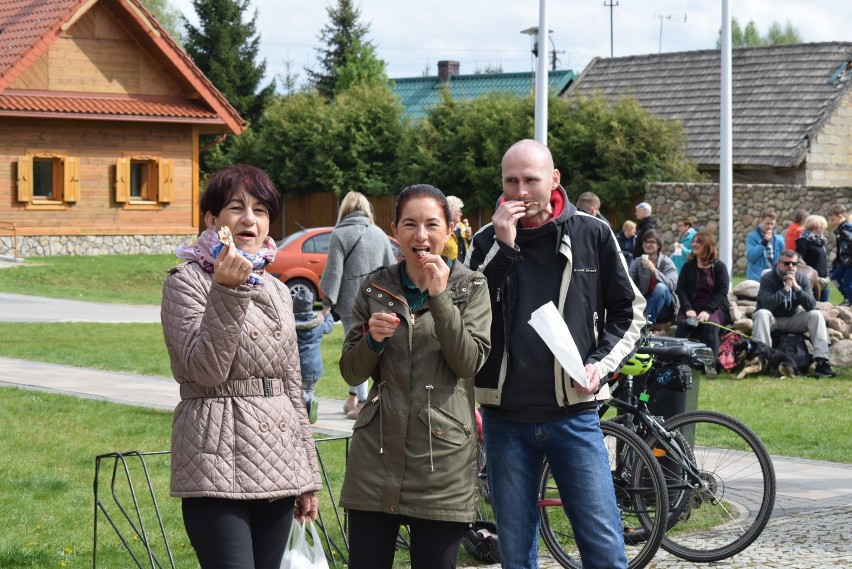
{"x": 207, "y": 247}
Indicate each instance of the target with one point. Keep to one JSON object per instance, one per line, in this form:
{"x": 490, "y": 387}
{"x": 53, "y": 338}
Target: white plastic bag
{"x": 300, "y": 554}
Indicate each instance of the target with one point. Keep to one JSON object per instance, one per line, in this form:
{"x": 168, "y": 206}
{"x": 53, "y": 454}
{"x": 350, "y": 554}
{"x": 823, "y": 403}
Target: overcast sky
{"x": 412, "y": 36}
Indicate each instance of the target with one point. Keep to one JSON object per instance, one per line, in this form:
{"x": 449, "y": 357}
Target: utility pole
{"x": 611, "y": 5}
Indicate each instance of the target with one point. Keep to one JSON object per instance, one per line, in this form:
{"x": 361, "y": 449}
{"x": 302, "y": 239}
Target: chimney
{"x": 447, "y": 69}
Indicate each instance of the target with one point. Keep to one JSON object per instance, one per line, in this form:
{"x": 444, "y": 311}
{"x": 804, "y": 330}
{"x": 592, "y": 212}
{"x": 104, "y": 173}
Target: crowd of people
{"x": 691, "y": 286}
{"x": 439, "y": 328}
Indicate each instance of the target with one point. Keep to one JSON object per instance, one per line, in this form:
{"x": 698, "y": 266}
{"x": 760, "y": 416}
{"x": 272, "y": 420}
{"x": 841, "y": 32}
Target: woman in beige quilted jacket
{"x": 421, "y": 330}
{"x": 243, "y": 459}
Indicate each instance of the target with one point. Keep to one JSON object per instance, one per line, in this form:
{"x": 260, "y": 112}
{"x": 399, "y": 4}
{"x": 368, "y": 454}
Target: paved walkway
{"x": 808, "y": 529}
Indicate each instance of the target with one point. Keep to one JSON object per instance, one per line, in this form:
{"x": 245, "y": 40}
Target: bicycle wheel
{"x": 639, "y": 488}
{"x": 736, "y": 492}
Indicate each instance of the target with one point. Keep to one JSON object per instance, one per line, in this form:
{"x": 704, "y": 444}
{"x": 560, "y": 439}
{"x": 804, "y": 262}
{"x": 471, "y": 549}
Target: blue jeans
{"x": 660, "y": 304}
{"x": 578, "y": 459}
{"x": 843, "y": 276}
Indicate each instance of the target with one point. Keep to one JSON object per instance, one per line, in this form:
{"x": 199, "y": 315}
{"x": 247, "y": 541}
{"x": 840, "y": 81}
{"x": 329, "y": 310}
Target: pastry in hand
{"x": 225, "y": 236}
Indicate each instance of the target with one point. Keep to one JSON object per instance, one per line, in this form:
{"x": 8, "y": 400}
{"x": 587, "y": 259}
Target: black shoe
{"x": 822, "y": 369}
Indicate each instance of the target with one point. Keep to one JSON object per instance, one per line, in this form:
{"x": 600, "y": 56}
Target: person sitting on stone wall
{"x": 786, "y": 302}
{"x": 656, "y": 278}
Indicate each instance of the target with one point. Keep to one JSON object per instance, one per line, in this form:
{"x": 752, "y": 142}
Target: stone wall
{"x": 829, "y": 161}
{"x": 47, "y": 245}
{"x": 701, "y": 203}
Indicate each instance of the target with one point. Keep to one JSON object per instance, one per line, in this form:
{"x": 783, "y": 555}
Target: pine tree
{"x": 342, "y": 37}
{"x": 167, "y": 16}
{"x": 750, "y": 37}
{"x": 225, "y": 48}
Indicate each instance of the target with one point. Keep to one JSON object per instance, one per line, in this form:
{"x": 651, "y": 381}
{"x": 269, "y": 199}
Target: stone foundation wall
{"x": 701, "y": 203}
{"x": 44, "y": 245}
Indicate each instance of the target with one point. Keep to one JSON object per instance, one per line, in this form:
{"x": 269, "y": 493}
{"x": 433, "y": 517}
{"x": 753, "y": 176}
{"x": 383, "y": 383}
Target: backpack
{"x": 726, "y": 357}
{"x": 793, "y": 344}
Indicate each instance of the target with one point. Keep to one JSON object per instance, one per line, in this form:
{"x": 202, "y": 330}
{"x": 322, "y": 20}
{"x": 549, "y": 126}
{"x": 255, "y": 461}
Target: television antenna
{"x": 672, "y": 18}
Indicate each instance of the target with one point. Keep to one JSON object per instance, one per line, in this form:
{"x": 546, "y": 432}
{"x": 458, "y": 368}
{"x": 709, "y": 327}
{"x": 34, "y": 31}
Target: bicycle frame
{"x": 636, "y": 409}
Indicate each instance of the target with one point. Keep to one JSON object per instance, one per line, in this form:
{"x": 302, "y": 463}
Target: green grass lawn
{"x": 130, "y": 279}
{"x": 47, "y": 468}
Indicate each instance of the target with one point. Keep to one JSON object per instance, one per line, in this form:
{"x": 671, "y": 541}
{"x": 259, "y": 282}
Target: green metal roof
{"x": 419, "y": 94}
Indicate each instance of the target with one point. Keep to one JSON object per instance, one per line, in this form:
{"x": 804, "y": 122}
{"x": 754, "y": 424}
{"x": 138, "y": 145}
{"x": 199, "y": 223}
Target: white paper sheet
{"x": 550, "y": 326}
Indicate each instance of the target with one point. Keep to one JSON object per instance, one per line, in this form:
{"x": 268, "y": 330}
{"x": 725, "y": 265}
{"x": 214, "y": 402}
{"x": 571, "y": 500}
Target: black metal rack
{"x": 149, "y": 547}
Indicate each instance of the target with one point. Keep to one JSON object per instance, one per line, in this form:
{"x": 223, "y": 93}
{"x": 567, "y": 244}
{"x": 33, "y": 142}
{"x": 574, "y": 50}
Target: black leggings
{"x": 238, "y": 534}
{"x": 372, "y": 541}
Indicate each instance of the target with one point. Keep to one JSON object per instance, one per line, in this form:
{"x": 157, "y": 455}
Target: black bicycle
{"x": 719, "y": 476}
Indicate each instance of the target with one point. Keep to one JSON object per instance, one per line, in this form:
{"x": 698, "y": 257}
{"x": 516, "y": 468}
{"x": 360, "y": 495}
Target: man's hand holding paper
{"x": 550, "y": 326}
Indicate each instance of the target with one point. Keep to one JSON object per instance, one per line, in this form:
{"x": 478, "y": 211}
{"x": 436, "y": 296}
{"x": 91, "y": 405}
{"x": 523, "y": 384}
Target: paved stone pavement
{"x": 808, "y": 528}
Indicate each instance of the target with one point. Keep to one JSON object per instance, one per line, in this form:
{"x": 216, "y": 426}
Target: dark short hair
{"x": 653, "y": 234}
{"x": 421, "y": 191}
{"x": 789, "y": 253}
{"x": 229, "y": 181}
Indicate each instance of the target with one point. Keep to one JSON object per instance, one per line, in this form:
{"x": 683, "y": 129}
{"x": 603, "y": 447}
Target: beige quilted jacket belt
{"x": 251, "y": 387}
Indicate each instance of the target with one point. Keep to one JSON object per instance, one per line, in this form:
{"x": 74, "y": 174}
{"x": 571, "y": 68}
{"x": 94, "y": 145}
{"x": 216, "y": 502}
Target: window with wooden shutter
{"x": 48, "y": 180}
{"x": 143, "y": 181}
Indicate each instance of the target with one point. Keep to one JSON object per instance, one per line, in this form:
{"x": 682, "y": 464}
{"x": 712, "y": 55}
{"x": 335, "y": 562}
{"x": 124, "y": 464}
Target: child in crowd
{"x": 841, "y": 272}
{"x": 310, "y": 329}
{"x": 627, "y": 240}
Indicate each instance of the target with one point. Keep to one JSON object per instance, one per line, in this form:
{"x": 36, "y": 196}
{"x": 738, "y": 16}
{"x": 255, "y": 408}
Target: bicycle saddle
{"x": 675, "y": 354}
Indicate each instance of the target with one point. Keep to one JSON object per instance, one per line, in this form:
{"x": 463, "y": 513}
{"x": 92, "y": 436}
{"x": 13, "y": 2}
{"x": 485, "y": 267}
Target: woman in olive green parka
{"x": 420, "y": 330}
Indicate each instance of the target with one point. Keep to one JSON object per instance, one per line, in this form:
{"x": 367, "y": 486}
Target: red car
{"x": 301, "y": 259}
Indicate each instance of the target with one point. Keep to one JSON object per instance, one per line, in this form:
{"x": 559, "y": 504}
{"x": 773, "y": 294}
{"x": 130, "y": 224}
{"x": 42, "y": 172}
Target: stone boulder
{"x": 736, "y": 312}
{"x": 744, "y": 325}
{"x": 746, "y": 290}
{"x": 840, "y": 353}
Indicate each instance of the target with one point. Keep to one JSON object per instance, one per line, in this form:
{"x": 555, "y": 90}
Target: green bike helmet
{"x": 637, "y": 365}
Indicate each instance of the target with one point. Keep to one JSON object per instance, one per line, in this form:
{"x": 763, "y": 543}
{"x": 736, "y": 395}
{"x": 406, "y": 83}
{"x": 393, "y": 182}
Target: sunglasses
{"x": 789, "y": 263}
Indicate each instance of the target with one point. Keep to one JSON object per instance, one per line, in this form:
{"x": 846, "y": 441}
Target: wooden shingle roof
{"x": 29, "y": 27}
{"x": 782, "y": 95}
{"x": 419, "y": 94}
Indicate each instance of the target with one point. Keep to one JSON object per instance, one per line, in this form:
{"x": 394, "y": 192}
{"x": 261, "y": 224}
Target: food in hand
{"x": 529, "y": 204}
{"x": 225, "y": 236}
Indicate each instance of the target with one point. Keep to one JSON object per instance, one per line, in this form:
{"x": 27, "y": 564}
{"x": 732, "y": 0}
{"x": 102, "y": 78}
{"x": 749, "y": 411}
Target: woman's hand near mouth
{"x": 229, "y": 269}
{"x": 437, "y": 272}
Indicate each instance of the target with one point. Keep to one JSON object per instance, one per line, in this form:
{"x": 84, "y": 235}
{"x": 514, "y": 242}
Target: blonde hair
{"x": 815, "y": 222}
{"x": 455, "y": 203}
{"x": 352, "y": 202}
{"x": 628, "y": 225}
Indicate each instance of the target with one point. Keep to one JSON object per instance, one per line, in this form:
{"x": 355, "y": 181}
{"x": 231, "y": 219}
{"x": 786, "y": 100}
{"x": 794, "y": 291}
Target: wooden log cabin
{"x": 100, "y": 118}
